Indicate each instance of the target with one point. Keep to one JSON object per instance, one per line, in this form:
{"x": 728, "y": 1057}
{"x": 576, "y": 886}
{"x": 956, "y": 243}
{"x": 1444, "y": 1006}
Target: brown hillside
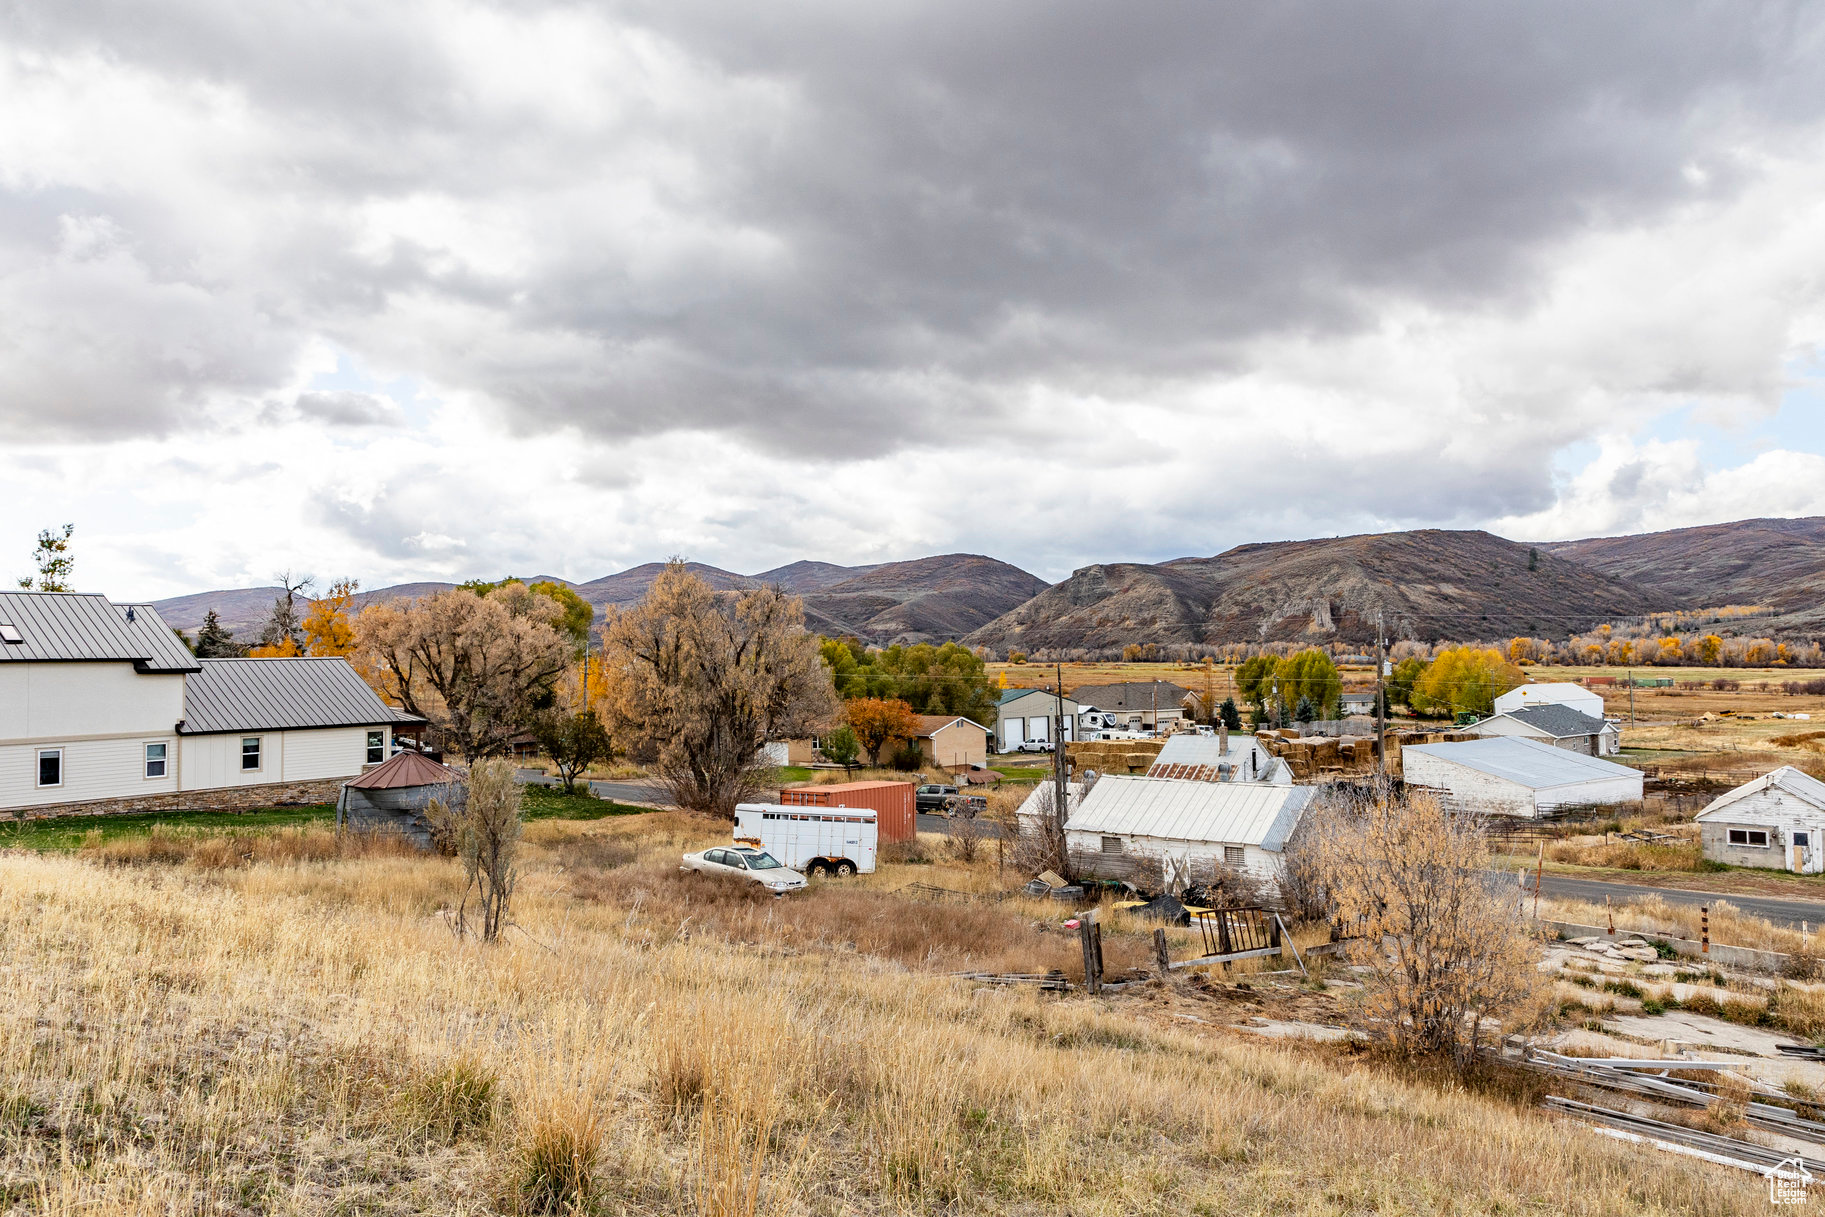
{"x": 1429, "y": 584}
{"x": 926, "y": 600}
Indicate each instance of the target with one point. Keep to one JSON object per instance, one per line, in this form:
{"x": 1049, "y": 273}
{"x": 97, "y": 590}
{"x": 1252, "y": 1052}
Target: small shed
{"x": 393, "y": 796}
{"x": 1774, "y": 822}
{"x": 1562, "y": 726}
{"x": 1239, "y": 826}
{"x": 1510, "y": 776}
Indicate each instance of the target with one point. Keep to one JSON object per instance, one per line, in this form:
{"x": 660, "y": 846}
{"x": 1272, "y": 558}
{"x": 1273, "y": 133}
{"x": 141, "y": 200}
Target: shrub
{"x": 446, "y": 1103}
{"x": 557, "y": 1154}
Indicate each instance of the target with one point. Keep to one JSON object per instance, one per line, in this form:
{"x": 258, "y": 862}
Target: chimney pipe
{"x": 1222, "y": 739}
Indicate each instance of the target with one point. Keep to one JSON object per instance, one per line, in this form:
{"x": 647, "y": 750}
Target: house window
{"x": 50, "y": 767}
{"x": 1802, "y": 839}
{"x": 377, "y": 747}
{"x": 155, "y": 760}
{"x": 1749, "y": 836}
{"x": 1112, "y": 845}
{"x": 1232, "y": 855}
{"x": 250, "y": 753}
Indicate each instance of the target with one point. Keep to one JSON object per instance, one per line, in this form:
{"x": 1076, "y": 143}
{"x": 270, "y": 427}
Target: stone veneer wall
{"x": 232, "y": 798}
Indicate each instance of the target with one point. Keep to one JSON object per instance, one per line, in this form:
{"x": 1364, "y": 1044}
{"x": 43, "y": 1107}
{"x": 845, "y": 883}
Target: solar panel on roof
{"x": 10, "y": 633}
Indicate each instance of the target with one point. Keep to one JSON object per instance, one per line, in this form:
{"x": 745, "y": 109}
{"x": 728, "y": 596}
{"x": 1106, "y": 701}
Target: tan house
{"x": 952, "y": 742}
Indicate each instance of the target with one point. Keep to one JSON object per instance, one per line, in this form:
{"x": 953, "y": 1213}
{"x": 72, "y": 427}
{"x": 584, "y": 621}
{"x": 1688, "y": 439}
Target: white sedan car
{"x": 746, "y": 862}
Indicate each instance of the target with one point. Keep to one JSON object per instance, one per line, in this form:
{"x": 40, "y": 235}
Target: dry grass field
{"x": 293, "y": 1028}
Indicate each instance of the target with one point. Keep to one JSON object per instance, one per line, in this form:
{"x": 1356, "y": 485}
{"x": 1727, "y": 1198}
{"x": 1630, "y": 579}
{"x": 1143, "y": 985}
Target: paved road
{"x": 640, "y": 793}
{"x": 1780, "y": 910}
{"x": 928, "y": 823}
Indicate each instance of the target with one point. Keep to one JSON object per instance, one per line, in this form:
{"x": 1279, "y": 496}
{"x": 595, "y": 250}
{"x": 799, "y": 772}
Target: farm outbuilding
{"x": 393, "y": 796}
{"x": 892, "y": 802}
{"x": 1551, "y": 693}
{"x": 1506, "y": 775}
{"x": 1027, "y": 716}
{"x": 1188, "y": 825}
{"x": 1774, "y": 822}
{"x": 1562, "y": 726}
{"x": 952, "y": 742}
{"x": 1219, "y": 758}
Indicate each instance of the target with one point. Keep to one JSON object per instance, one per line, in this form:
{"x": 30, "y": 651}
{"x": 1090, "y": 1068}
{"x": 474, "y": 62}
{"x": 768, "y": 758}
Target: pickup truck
{"x": 933, "y": 798}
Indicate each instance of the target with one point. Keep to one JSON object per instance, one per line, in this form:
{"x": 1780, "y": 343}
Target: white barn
{"x": 1774, "y": 822}
{"x": 103, "y": 709}
{"x": 1240, "y": 826}
{"x": 1027, "y": 716}
{"x": 1506, "y": 775}
{"x": 1556, "y": 693}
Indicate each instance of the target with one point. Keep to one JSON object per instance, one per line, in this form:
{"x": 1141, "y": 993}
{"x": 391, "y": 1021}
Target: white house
{"x": 1236, "y": 825}
{"x": 1775, "y": 822}
{"x": 1506, "y": 775}
{"x": 103, "y": 709}
{"x": 1146, "y": 705}
{"x": 1219, "y": 758}
{"x": 1560, "y": 725}
{"x": 1561, "y": 693}
{"x": 1026, "y": 715}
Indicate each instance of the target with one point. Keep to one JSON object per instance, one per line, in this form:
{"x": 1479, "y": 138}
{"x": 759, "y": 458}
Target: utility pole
{"x": 1060, "y": 795}
{"x": 1381, "y": 727}
{"x": 1631, "y": 680}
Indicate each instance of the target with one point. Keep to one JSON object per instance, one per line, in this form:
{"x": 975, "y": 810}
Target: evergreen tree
{"x": 1306, "y": 711}
{"x": 214, "y": 642}
{"x": 1230, "y": 716}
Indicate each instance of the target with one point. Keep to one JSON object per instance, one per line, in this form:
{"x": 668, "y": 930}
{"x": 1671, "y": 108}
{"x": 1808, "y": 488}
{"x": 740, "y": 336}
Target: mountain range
{"x": 1427, "y": 584}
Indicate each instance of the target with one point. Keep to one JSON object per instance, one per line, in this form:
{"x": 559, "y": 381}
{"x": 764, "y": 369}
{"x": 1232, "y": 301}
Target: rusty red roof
{"x": 405, "y": 769}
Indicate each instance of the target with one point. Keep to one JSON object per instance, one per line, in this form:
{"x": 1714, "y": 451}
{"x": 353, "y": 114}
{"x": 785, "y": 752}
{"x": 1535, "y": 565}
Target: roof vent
{"x": 130, "y": 616}
{"x": 10, "y": 634}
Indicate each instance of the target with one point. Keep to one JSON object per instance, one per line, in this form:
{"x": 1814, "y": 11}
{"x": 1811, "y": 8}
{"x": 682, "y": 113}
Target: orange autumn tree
{"x": 878, "y": 721}
{"x": 329, "y": 627}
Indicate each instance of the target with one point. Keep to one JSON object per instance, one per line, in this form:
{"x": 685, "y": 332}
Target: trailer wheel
{"x": 816, "y": 869}
{"x": 845, "y": 868}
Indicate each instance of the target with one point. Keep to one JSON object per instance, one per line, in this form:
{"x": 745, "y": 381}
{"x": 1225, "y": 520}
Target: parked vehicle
{"x": 969, "y": 806}
{"x": 1035, "y": 745}
{"x": 747, "y": 863}
{"x": 933, "y": 798}
{"x": 817, "y": 840}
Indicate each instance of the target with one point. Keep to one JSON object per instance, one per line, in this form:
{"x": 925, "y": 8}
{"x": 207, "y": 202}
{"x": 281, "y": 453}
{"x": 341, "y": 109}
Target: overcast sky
{"x": 420, "y": 289}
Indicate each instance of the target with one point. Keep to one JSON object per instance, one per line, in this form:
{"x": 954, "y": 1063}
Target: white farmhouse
{"x": 1506, "y": 775}
{"x": 103, "y": 709}
{"x": 1240, "y": 826}
{"x": 1558, "y": 693}
{"x": 1561, "y": 726}
{"x": 1775, "y": 822}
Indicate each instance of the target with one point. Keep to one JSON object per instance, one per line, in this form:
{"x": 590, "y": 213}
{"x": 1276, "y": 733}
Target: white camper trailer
{"x": 816, "y": 840}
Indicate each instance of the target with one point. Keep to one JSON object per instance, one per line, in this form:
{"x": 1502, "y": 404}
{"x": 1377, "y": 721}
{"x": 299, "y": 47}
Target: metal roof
{"x": 1556, "y": 719}
{"x": 1786, "y": 779}
{"x": 279, "y": 695}
{"x": 1228, "y": 813}
{"x": 1527, "y": 762}
{"x": 931, "y": 724}
{"x": 405, "y": 769}
{"x": 1133, "y": 695}
{"x": 65, "y": 626}
{"x": 1008, "y": 695}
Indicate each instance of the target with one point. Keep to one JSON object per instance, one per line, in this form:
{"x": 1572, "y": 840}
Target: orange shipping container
{"x": 892, "y": 803}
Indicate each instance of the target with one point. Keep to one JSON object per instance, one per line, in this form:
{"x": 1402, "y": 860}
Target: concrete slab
{"x": 1700, "y": 1031}
{"x": 1275, "y": 1028}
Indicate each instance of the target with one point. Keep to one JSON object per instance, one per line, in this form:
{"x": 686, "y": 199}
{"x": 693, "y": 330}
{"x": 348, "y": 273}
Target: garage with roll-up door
{"x": 1026, "y": 714}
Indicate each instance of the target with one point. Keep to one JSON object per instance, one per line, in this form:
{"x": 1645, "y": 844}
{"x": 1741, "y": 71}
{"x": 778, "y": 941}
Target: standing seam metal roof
{"x": 1527, "y": 762}
{"x": 1556, "y": 719}
{"x": 281, "y": 694}
{"x": 64, "y": 626}
{"x": 1177, "y": 810}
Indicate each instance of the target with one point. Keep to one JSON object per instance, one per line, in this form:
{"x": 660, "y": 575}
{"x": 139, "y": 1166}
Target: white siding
{"x": 335, "y": 752}
{"x": 101, "y": 714}
{"x": 214, "y": 761}
{"x": 1579, "y": 698}
{"x": 1256, "y": 861}
{"x": 92, "y": 769}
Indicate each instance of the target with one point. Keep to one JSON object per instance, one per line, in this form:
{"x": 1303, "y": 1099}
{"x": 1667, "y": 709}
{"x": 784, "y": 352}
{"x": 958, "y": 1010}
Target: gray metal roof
{"x": 1132, "y": 695}
{"x": 1008, "y": 695}
{"x": 1177, "y": 810}
{"x": 1557, "y": 720}
{"x": 76, "y": 626}
{"x": 279, "y": 695}
{"x": 1527, "y": 762}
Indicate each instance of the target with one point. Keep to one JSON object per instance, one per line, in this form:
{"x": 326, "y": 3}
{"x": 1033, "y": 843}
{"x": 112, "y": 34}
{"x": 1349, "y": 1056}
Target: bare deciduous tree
{"x": 1406, "y": 880}
{"x": 488, "y": 842}
{"x": 477, "y": 667}
{"x": 703, "y": 679}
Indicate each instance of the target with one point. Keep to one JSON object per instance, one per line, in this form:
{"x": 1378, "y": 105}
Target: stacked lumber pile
{"x": 1115, "y": 755}
{"x": 1322, "y": 758}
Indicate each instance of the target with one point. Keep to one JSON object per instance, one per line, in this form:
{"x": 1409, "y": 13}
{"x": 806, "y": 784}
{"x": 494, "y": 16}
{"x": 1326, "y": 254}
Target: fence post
{"x": 1704, "y": 929}
{"x": 1091, "y": 942}
{"x": 1160, "y": 954}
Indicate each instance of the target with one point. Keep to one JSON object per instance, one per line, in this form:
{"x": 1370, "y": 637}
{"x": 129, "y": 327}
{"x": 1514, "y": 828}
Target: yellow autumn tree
{"x": 329, "y": 627}
{"x": 1464, "y": 680}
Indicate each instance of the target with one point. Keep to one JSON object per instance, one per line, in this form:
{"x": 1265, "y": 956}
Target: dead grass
{"x": 1652, "y": 917}
{"x": 307, "y": 1037}
{"x": 1686, "y": 855}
